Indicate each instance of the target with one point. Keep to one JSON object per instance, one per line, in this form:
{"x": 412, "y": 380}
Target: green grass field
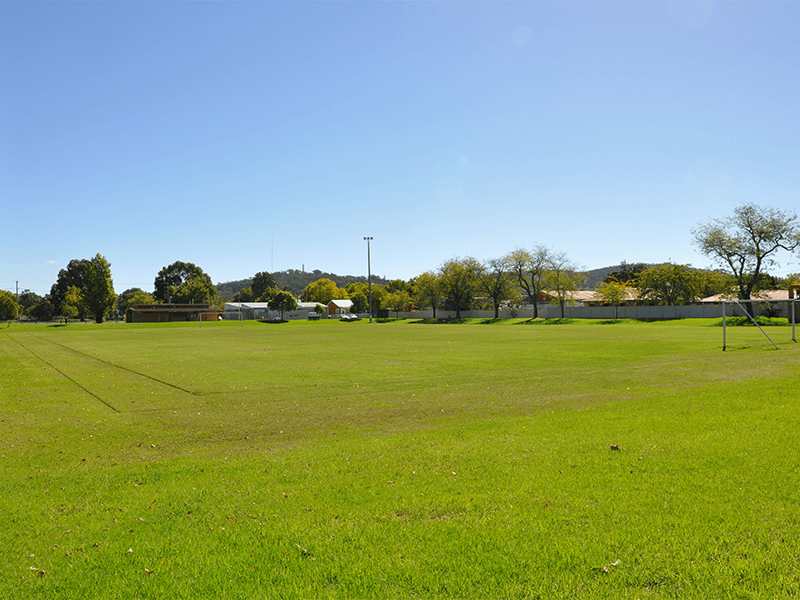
{"x": 399, "y": 460}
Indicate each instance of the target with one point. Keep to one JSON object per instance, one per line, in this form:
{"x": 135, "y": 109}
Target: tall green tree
{"x": 73, "y": 304}
{"x": 9, "y": 309}
{"x": 530, "y": 268}
{"x": 790, "y": 279}
{"x": 460, "y": 278}
{"x": 714, "y": 282}
{"x": 360, "y": 302}
{"x": 428, "y": 291}
{"x": 283, "y": 301}
{"x": 73, "y": 275}
{"x": 133, "y": 296}
{"x": 498, "y": 281}
{"x": 747, "y": 243}
{"x": 196, "y": 290}
{"x": 561, "y": 279}
{"x": 42, "y": 310}
{"x": 671, "y": 284}
{"x": 612, "y": 292}
{"x": 170, "y": 278}
{"x": 264, "y": 286}
{"x": 27, "y": 300}
{"x": 322, "y": 291}
{"x": 244, "y": 295}
{"x": 98, "y": 290}
{"x": 355, "y": 287}
{"x": 397, "y": 301}
{"x": 379, "y": 294}
{"x": 397, "y": 285}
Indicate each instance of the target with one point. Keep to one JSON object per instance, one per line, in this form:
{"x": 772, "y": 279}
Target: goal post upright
{"x": 724, "y": 332}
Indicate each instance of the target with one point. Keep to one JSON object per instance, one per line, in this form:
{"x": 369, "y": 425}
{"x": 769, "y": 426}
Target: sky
{"x": 266, "y": 136}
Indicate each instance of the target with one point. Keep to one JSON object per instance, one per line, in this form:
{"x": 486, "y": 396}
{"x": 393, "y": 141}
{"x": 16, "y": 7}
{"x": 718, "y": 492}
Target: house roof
{"x": 341, "y": 303}
{"x": 591, "y": 295}
{"x": 762, "y": 295}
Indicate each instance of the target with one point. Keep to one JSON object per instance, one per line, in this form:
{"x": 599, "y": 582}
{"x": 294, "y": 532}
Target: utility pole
{"x": 369, "y": 279}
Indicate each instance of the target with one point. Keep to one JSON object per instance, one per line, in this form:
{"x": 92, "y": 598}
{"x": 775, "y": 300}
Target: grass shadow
{"x": 549, "y": 321}
{"x": 439, "y": 321}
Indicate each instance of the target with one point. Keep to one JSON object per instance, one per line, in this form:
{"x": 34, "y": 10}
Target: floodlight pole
{"x": 369, "y": 278}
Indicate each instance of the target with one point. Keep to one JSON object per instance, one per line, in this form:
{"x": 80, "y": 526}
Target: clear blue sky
{"x": 252, "y": 136}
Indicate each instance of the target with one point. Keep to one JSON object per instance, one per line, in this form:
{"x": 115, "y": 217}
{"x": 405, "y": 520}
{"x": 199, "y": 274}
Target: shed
{"x": 248, "y": 310}
{"x": 170, "y": 313}
{"x": 339, "y": 307}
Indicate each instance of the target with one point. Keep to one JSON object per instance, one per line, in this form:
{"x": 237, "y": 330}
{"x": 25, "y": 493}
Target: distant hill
{"x": 595, "y": 276}
{"x": 295, "y": 280}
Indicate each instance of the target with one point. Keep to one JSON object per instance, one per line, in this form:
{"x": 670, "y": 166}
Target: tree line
{"x": 744, "y": 246}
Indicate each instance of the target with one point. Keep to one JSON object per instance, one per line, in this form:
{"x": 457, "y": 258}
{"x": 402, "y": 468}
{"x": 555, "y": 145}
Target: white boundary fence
{"x": 655, "y": 313}
{"x": 249, "y": 315}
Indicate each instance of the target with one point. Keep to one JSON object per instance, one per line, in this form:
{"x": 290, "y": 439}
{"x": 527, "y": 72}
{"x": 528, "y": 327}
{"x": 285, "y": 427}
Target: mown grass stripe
{"x": 63, "y": 374}
{"x": 116, "y": 366}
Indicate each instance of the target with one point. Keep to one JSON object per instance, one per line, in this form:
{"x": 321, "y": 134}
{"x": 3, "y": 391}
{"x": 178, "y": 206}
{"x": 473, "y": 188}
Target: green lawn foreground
{"x": 349, "y": 460}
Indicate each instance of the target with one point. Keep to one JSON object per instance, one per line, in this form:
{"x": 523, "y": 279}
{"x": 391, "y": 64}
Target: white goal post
{"x": 791, "y": 303}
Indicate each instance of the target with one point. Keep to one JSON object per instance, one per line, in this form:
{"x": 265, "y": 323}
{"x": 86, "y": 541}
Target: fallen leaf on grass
{"x": 607, "y": 568}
